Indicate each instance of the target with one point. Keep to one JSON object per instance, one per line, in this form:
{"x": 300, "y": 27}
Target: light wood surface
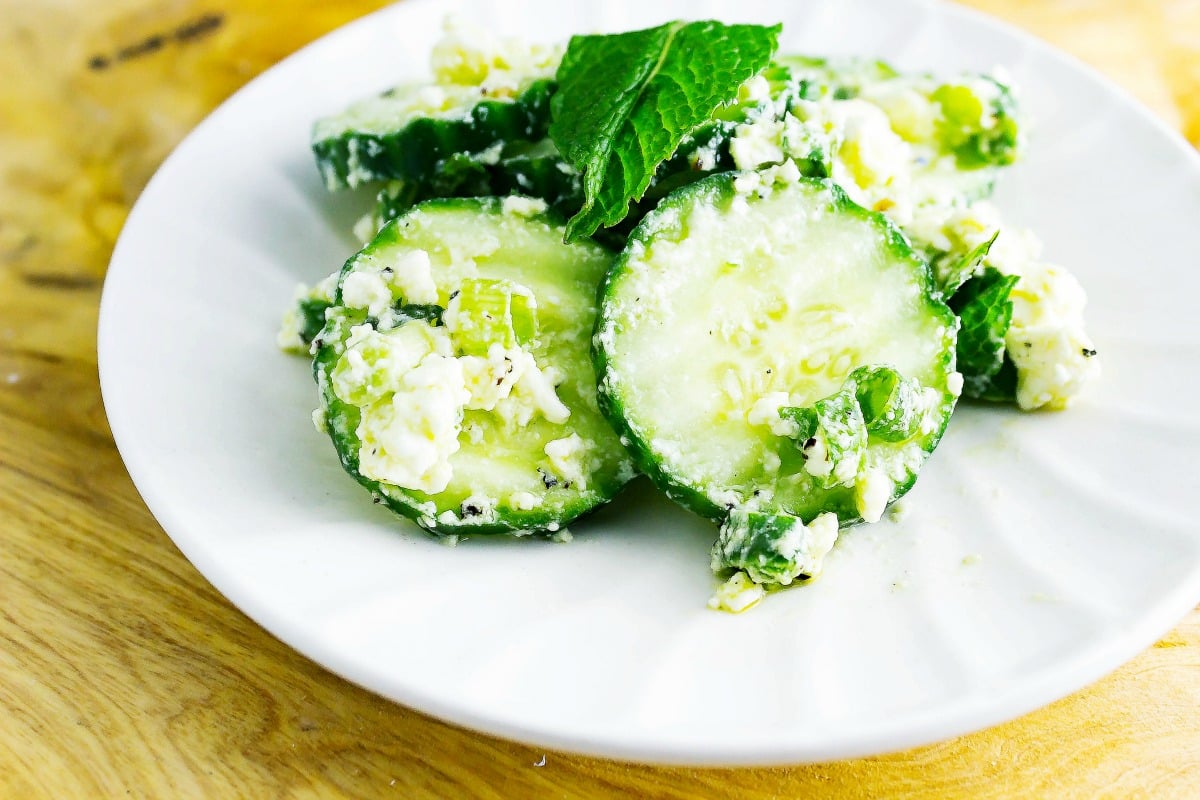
{"x": 122, "y": 673}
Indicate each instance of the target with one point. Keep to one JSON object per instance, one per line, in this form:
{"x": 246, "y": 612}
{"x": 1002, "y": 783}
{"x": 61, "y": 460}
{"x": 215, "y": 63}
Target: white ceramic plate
{"x": 1040, "y": 552}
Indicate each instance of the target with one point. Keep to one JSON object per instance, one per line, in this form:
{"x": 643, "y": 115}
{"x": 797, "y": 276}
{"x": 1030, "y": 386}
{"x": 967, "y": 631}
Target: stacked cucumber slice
{"x": 454, "y": 371}
{"x": 771, "y": 331}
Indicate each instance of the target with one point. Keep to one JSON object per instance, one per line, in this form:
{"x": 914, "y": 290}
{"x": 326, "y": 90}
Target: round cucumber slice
{"x": 403, "y": 135}
{"x": 454, "y": 370}
{"x": 732, "y": 332}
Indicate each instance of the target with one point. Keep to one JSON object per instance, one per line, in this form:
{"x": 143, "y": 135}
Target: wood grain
{"x": 122, "y": 673}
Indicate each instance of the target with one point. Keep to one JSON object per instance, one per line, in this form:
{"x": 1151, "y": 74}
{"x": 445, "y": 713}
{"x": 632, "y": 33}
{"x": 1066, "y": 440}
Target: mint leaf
{"x": 985, "y": 314}
{"x": 949, "y": 280}
{"x": 625, "y": 101}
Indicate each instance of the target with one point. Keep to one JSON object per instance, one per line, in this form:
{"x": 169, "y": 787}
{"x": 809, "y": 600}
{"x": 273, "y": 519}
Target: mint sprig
{"x": 625, "y": 101}
{"x": 985, "y": 314}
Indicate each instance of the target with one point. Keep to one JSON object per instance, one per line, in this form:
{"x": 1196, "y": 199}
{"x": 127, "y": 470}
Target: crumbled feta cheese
{"x": 755, "y": 90}
{"x": 478, "y": 508}
{"x": 872, "y": 491}
{"x": 747, "y": 182}
{"x": 1053, "y": 355}
{"x": 375, "y": 363}
{"x": 817, "y": 462}
{"x": 1053, "y": 364}
{"x": 491, "y": 378}
{"x": 366, "y": 227}
{"x": 468, "y": 54}
{"x": 737, "y": 594}
{"x": 765, "y": 411}
{"x": 954, "y": 383}
{"x": 288, "y": 339}
{"x": 705, "y": 158}
{"x": 566, "y": 457}
{"x": 756, "y": 143}
{"x": 318, "y": 420}
{"x": 365, "y": 289}
{"x": 533, "y": 393}
{"x": 407, "y": 439}
{"x": 474, "y": 432}
{"x": 929, "y": 404}
{"x": 872, "y": 164}
{"x": 524, "y": 501}
{"x": 523, "y": 206}
{"x": 412, "y": 276}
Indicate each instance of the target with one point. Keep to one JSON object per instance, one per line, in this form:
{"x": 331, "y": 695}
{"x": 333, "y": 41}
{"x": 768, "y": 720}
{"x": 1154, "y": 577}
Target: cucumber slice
{"x": 454, "y": 370}
{"x": 408, "y": 132}
{"x": 747, "y": 293}
{"x": 532, "y": 170}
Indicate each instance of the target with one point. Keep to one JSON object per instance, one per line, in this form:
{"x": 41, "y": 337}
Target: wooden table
{"x": 123, "y": 673}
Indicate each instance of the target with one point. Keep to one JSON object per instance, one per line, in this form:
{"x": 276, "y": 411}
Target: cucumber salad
{"x": 764, "y": 281}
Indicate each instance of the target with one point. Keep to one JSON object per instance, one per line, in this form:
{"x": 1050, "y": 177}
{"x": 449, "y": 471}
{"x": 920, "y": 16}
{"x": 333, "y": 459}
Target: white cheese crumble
{"x": 523, "y": 206}
{"x": 412, "y": 276}
{"x": 566, "y": 458}
{"x": 954, "y": 383}
{"x": 478, "y": 508}
{"x": 407, "y": 439}
{"x": 366, "y": 227}
{"x": 471, "y": 55}
{"x": 737, "y": 594}
{"x": 533, "y": 393}
{"x": 872, "y": 490}
{"x": 756, "y": 143}
{"x": 872, "y": 163}
{"x": 524, "y": 501}
{"x": 491, "y": 378}
{"x": 755, "y": 90}
{"x": 1047, "y": 343}
{"x": 374, "y": 363}
{"x": 765, "y": 411}
{"x": 816, "y": 454}
{"x": 365, "y": 289}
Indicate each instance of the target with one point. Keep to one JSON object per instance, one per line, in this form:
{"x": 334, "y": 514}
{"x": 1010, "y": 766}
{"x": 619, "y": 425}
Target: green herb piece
{"x": 890, "y": 403}
{"x": 985, "y": 314}
{"x": 625, "y": 101}
{"x": 833, "y": 435}
{"x": 950, "y": 279}
{"x": 976, "y": 130}
{"x": 312, "y": 317}
{"x": 772, "y": 548}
